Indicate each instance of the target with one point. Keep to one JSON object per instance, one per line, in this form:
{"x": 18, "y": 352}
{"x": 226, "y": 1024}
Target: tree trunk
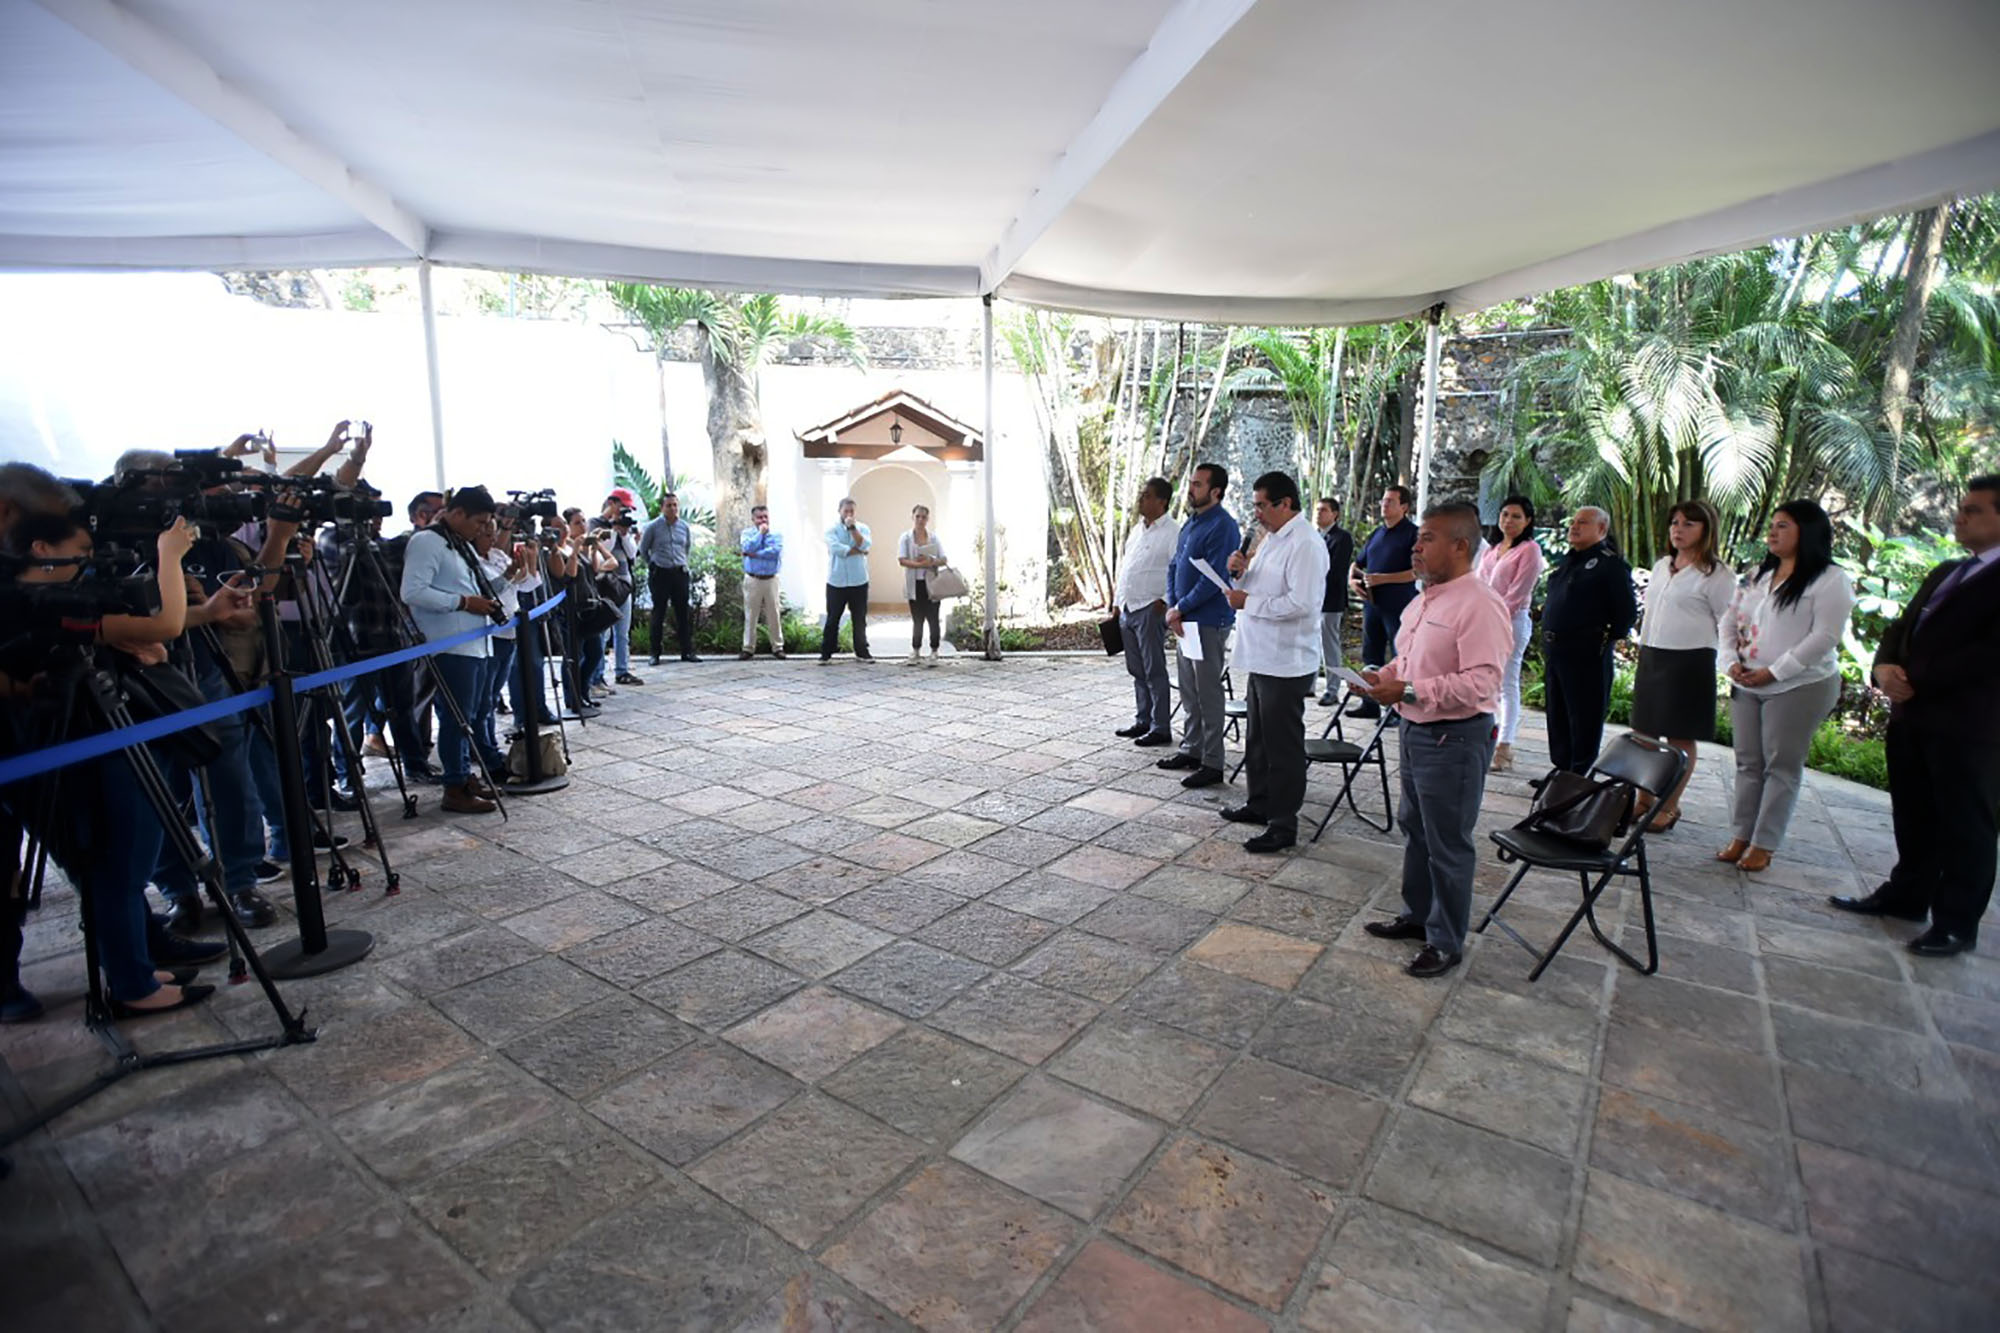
{"x": 1920, "y": 279}
{"x": 736, "y": 437}
{"x": 666, "y": 442}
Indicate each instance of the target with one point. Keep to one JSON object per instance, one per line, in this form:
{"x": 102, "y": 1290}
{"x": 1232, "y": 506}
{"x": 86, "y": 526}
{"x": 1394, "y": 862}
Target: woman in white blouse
{"x": 1779, "y": 644}
{"x": 919, "y": 553}
{"x": 1673, "y": 695}
{"x": 1511, "y": 567}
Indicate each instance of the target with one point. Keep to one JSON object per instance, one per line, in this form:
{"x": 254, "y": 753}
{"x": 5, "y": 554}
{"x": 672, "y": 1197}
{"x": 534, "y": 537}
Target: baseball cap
{"x": 623, "y": 495}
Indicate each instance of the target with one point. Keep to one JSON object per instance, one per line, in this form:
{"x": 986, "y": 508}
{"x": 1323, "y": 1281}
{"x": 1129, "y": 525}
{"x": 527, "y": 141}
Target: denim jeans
{"x": 1443, "y": 779}
{"x": 499, "y": 671}
{"x": 589, "y": 662}
{"x": 621, "y": 642}
{"x": 237, "y": 840}
{"x": 270, "y": 793}
{"x": 465, "y": 678}
{"x": 112, "y": 843}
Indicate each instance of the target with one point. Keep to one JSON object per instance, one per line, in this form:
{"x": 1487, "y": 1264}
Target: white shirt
{"x": 1277, "y": 629}
{"x": 1685, "y": 610}
{"x": 1149, "y": 549}
{"x": 1798, "y": 644}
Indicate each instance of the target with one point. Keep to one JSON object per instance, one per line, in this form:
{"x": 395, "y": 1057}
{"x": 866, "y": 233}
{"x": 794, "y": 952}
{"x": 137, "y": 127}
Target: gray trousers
{"x": 1201, "y": 697}
{"x": 1773, "y": 734}
{"x": 1329, "y": 643}
{"x": 1444, "y": 780}
{"x": 1274, "y": 749}
{"x": 1145, "y": 635}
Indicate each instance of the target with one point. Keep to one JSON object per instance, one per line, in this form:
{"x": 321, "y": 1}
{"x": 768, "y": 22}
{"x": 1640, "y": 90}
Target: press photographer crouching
{"x": 93, "y": 816}
{"x": 448, "y": 594}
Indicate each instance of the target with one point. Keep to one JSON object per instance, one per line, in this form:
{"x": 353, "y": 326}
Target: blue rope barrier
{"x": 34, "y": 764}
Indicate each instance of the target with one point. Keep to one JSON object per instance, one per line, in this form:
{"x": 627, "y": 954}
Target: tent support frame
{"x": 1427, "y": 433}
{"x": 429, "y": 307}
{"x": 992, "y": 652}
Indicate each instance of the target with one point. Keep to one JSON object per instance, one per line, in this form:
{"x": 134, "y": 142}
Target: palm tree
{"x": 739, "y": 333}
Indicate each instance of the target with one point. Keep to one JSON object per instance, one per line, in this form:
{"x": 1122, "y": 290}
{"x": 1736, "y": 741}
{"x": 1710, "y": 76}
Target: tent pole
{"x": 1427, "y": 436}
{"x": 431, "y": 365}
{"x": 986, "y": 478}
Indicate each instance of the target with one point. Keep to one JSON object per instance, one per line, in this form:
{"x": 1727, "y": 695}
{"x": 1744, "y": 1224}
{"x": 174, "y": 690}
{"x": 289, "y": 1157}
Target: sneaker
{"x": 375, "y": 747}
{"x": 916, "y": 655}
{"x": 420, "y": 772}
{"x": 601, "y": 692}
{"x": 655, "y": 661}
{"x": 322, "y": 843}
{"x": 1432, "y": 962}
{"x": 627, "y": 678}
{"x": 269, "y": 872}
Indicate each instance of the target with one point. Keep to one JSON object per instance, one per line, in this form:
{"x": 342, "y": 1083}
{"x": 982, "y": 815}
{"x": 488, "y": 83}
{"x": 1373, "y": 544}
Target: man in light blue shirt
{"x": 847, "y": 545}
{"x": 763, "y": 551}
{"x": 664, "y": 544}
{"x": 448, "y": 595}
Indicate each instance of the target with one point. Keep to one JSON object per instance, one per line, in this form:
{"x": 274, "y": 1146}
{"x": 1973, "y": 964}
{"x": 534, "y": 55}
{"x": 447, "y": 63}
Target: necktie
{"x": 1950, "y": 584}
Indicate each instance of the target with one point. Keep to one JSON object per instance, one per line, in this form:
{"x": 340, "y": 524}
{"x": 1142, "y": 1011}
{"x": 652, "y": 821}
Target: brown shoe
{"x": 462, "y": 800}
{"x": 479, "y": 787}
{"x": 374, "y": 747}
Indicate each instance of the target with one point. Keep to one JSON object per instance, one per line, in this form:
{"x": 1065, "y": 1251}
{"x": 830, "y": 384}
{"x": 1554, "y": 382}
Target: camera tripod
{"x": 82, "y": 689}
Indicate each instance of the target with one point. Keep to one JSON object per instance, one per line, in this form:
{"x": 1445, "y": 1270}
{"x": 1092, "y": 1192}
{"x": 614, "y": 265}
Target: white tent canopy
{"x": 1268, "y": 161}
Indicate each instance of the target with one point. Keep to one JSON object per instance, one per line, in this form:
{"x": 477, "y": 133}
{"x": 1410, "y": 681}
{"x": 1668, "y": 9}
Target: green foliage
{"x": 1856, "y": 758}
{"x": 629, "y": 472}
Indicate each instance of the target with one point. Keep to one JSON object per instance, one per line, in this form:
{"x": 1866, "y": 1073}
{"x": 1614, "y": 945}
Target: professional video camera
{"x": 315, "y": 500}
{"x": 143, "y": 502}
{"x": 40, "y": 617}
{"x": 530, "y": 504}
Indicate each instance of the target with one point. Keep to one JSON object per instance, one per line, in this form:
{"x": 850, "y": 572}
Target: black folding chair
{"x": 1333, "y": 747}
{"x": 1639, "y": 762}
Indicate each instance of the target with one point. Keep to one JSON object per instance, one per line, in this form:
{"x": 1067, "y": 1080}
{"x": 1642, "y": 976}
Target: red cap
{"x": 623, "y": 495}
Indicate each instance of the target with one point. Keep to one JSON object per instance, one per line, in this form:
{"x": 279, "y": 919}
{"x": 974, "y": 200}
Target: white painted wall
{"x": 94, "y": 364}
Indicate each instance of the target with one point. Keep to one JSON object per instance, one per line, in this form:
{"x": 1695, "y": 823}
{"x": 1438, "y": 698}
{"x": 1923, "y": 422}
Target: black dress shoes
{"x": 172, "y": 951}
{"x": 1178, "y": 761}
{"x": 1879, "y": 903}
{"x": 252, "y": 908}
{"x": 1203, "y": 777}
{"x": 1242, "y": 814}
{"x": 1404, "y": 927}
{"x": 1432, "y": 962}
{"x": 1130, "y": 733}
{"x": 184, "y": 914}
{"x": 1270, "y": 840}
{"x": 1155, "y": 738}
{"x": 1937, "y": 942}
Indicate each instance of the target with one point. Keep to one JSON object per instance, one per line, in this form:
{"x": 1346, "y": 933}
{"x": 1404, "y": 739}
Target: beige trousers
{"x": 760, "y": 602}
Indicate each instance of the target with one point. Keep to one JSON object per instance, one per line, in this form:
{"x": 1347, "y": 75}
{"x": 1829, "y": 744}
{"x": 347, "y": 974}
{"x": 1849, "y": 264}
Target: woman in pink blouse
{"x": 1512, "y": 566}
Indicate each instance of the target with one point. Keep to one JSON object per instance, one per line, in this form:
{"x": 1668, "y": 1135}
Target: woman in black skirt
{"x": 1673, "y": 697}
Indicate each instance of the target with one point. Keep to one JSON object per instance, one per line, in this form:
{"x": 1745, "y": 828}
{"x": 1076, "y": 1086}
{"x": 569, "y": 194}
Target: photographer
{"x": 104, "y": 834}
{"x": 220, "y": 603}
{"x": 447, "y": 593}
{"x": 614, "y": 529}
{"x": 588, "y": 560}
{"x": 507, "y": 563}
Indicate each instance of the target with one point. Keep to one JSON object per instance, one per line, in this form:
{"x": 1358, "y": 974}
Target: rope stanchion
{"x": 21, "y": 767}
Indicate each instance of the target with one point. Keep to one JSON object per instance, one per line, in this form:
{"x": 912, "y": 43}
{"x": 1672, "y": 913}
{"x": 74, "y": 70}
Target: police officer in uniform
{"x": 1591, "y": 605}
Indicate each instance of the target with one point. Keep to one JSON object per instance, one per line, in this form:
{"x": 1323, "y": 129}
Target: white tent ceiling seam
{"x": 169, "y": 63}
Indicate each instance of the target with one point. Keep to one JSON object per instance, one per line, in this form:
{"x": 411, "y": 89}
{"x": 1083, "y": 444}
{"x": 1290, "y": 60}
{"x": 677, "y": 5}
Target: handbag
{"x": 615, "y": 587}
{"x": 1113, "y": 636}
{"x": 159, "y": 690}
{"x": 945, "y": 581}
{"x": 1581, "y": 810}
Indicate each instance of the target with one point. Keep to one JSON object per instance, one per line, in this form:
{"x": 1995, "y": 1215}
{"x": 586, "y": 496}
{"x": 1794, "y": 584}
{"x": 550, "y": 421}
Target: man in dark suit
{"x": 1940, "y": 666}
{"x": 1333, "y": 607}
{"x": 1590, "y": 606}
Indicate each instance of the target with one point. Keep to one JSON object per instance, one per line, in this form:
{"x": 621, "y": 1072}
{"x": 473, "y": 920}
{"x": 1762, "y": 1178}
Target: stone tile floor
{"x": 862, "y": 997}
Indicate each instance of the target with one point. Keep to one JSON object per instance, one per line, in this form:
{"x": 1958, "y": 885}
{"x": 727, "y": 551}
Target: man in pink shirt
{"x": 1445, "y": 682}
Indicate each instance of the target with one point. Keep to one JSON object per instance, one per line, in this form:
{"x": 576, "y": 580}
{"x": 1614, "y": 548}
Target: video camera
{"x": 529, "y": 504}
{"x": 314, "y": 500}
{"x": 144, "y": 502}
{"x": 42, "y": 615}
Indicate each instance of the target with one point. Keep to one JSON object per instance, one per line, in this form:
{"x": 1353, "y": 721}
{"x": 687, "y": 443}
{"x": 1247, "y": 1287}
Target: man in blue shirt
{"x": 763, "y": 552}
{"x": 1197, "y": 608}
{"x": 1386, "y": 584}
{"x": 847, "y": 545}
{"x": 664, "y": 545}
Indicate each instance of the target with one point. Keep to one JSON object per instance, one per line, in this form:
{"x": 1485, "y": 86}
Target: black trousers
{"x": 669, "y": 585}
{"x": 1577, "y": 678}
{"x": 854, "y": 601}
{"x": 1945, "y": 796}
{"x": 1274, "y": 748}
{"x": 923, "y": 611}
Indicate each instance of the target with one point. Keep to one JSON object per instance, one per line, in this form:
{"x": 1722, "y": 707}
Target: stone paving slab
{"x": 1002, "y": 1029}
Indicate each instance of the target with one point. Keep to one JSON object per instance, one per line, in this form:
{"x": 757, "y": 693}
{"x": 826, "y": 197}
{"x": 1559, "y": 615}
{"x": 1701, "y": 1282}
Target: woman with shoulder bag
{"x": 1511, "y": 566}
{"x": 1690, "y": 591}
{"x": 920, "y": 554}
{"x": 1780, "y": 642}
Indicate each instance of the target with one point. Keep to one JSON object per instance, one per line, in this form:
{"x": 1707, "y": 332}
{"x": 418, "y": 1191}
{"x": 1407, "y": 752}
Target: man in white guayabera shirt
{"x": 1141, "y": 603}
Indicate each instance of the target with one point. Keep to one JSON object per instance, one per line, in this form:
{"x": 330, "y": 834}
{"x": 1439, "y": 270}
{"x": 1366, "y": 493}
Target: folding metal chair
{"x": 1333, "y": 747}
{"x": 1645, "y": 764}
